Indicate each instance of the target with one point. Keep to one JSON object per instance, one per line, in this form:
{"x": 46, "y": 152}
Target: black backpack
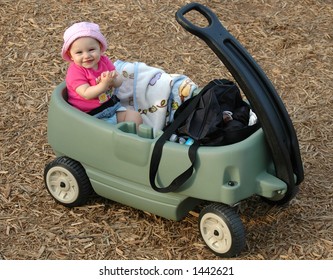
{"x": 216, "y": 116}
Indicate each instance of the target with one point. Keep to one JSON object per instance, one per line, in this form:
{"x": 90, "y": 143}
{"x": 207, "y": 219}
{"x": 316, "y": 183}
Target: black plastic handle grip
{"x": 202, "y": 32}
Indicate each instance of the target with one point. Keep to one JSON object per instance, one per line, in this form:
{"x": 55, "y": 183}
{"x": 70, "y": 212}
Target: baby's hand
{"x": 106, "y": 76}
{"x": 106, "y": 79}
{"x": 109, "y": 76}
{"x": 114, "y": 74}
{"x": 111, "y": 79}
{"x": 116, "y": 79}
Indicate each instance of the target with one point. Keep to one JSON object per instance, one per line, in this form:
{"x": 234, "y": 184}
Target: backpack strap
{"x": 180, "y": 179}
{"x": 157, "y": 151}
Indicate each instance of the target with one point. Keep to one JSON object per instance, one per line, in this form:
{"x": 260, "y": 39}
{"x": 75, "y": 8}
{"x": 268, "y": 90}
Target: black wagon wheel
{"x": 222, "y": 230}
{"x": 67, "y": 182}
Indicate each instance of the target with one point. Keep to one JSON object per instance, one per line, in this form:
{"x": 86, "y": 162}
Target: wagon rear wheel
{"x": 222, "y": 230}
{"x": 67, "y": 182}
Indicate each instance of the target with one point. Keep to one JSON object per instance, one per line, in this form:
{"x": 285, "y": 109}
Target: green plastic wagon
{"x": 93, "y": 156}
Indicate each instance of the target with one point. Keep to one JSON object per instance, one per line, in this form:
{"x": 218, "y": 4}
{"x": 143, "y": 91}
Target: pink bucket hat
{"x": 82, "y": 29}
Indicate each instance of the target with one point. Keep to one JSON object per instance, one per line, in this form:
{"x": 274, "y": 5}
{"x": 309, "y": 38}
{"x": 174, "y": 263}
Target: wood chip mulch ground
{"x": 291, "y": 40}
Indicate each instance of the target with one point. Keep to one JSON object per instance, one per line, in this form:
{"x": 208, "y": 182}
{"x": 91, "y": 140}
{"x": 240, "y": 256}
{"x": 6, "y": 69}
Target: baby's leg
{"x": 129, "y": 116}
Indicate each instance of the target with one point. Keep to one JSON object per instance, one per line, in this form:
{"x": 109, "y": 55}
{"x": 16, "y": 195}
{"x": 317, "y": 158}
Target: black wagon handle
{"x": 256, "y": 86}
{"x": 201, "y": 32}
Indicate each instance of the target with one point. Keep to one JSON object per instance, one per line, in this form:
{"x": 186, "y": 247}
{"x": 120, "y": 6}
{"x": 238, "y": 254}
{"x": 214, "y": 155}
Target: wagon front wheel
{"x": 222, "y": 230}
{"x": 67, "y": 182}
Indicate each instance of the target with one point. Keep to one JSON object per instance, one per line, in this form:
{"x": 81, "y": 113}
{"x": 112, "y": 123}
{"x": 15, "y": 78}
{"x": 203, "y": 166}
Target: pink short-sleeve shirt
{"x": 78, "y": 75}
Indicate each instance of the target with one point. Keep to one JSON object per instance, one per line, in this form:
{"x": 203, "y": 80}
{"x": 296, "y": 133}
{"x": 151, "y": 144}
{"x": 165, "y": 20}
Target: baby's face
{"x": 86, "y": 52}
